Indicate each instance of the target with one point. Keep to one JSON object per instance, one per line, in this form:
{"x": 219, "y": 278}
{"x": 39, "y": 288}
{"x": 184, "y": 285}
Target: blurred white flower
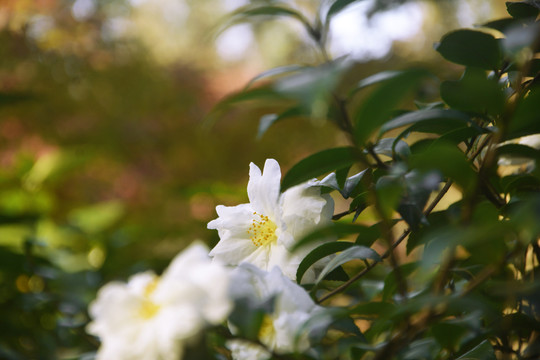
{"x": 152, "y": 317}
{"x": 283, "y": 330}
{"x": 263, "y": 231}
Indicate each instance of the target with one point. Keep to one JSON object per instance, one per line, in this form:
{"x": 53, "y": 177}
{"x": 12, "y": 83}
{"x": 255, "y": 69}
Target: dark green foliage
{"x": 469, "y": 287}
{"x": 471, "y": 48}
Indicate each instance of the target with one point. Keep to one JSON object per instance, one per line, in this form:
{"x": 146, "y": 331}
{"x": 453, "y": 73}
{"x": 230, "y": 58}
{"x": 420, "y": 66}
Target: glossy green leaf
{"x": 261, "y": 93}
{"x": 336, "y": 230}
{"x": 392, "y": 147}
{"x": 471, "y": 48}
{"x": 389, "y": 191}
{"x": 318, "y": 253}
{"x": 519, "y": 38}
{"x": 418, "y": 188}
{"x": 337, "y": 6}
{"x": 501, "y": 25}
{"x": 447, "y": 159}
{"x": 318, "y": 164}
{"x": 523, "y": 9}
{"x": 379, "y": 105}
{"x": 444, "y": 116}
{"x": 355, "y": 252}
{"x": 266, "y": 121}
{"x": 518, "y": 151}
{"x": 312, "y": 87}
{"x": 249, "y": 11}
{"x": 275, "y": 72}
{"x": 348, "y": 189}
{"x": 474, "y": 92}
{"x": 483, "y": 351}
{"x": 375, "y": 79}
{"x": 526, "y": 118}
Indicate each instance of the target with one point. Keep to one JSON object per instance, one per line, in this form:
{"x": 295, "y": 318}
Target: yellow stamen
{"x": 262, "y": 230}
{"x": 148, "y": 307}
{"x": 266, "y": 331}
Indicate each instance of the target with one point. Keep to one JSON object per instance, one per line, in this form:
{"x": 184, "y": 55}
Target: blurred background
{"x": 107, "y": 163}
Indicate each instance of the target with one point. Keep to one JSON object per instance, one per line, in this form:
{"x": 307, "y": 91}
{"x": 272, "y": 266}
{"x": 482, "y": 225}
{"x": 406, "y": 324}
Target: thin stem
{"x": 376, "y": 157}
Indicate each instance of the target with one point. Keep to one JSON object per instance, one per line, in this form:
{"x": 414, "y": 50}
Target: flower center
{"x": 262, "y": 230}
{"x": 266, "y": 331}
{"x": 148, "y": 307}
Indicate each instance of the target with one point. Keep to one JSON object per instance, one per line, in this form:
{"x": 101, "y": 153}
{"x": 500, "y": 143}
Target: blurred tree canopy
{"x": 105, "y": 165}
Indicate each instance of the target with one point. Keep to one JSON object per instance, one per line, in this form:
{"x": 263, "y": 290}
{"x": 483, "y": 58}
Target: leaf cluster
{"x": 446, "y": 263}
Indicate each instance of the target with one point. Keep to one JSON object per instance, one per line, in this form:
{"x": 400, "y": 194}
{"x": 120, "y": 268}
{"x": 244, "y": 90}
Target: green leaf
{"x": 518, "y": 151}
{"x": 390, "y": 282}
{"x": 260, "y": 93}
{"x": 523, "y": 9}
{"x": 249, "y": 11}
{"x": 418, "y": 188}
{"x": 379, "y": 105}
{"x": 348, "y": 188}
{"x": 269, "y": 119}
{"x": 334, "y": 230}
{"x": 471, "y": 48}
{"x": 474, "y": 92}
{"x": 392, "y": 147}
{"x": 274, "y": 72}
{"x": 319, "y": 253}
{"x": 355, "y": 252}
{"x": 447, "y": 159}
{"x": 318, "y": 164}
{"x": 519, "y": 38}
{"x": 501, "y": 25}
{"x": 526, "y": 118}
{"x": 483, "y": 351}
{"x": 337, "y": 6}
{"x": 389, "y": 190}
{"x": 312, "y": 87}
{"x": 374, "y": 79}
{"x": 373, "y": 308}
{"x": 434, "y": 116}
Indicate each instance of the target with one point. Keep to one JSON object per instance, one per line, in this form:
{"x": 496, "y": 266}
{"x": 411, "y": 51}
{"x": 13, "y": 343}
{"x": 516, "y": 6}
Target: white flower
{"x": 152, "y": 317}
{"x": 263, "y": 231}
{"x": 283, "y": 330}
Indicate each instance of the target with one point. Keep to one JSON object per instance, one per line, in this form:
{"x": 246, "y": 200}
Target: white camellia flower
{"x": 283, "y": 330}
{"x": 263, "y": 231}
{"x": 152, "y": 317}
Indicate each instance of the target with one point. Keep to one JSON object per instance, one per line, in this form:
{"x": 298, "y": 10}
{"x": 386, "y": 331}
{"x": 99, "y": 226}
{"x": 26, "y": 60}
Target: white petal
{"x": 245, "y": 350}
{"x": 304, "y": 208}
{"x": 263, "y": 189}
